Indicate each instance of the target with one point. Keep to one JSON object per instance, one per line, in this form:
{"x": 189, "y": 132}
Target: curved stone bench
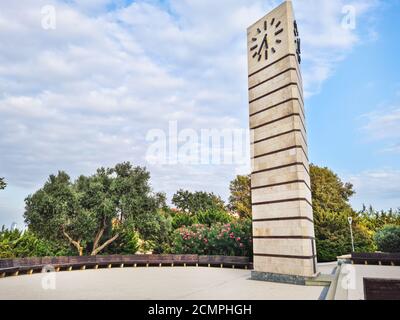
{"x": 31, "y": 265}
{"x": 376, "y": 258}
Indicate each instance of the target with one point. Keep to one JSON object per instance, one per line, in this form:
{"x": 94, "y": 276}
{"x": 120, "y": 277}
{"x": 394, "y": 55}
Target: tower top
{"x": 273, "y": 37}
{"x": 287, "y": 4}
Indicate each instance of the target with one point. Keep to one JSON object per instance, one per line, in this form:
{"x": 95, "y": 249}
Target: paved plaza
{"x": 177, "y": 283}
{"x": 180, "y": 283}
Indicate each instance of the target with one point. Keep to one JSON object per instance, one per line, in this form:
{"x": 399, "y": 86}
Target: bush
{"x": 207, "y": 217}
{"x": 388, "y": 239}
{"x": 155, "y": 231}
{"x": 212, "y": 216}
{"x": 127, "y": 243}
{"x": 230, "y": 239}
{"x": 162, "y": 237}
{"x": 18, "y": 244}
{"x": 183, "y": 219}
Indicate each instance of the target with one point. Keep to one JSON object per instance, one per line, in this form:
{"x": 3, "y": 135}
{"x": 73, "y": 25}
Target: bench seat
{"x": 376, "y": 258}
{"x": 9, "y": 270}
{"x": 224, "y": 261}
{"x": 29, "y": 265}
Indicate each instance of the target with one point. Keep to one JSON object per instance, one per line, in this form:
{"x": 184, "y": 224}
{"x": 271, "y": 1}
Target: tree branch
{"x": 99, "y": 235}
{"x": 105, "y": 244}
{"x": 72, "y": 241}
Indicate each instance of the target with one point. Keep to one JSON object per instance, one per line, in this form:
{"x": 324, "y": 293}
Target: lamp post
{"x": 350, "y": 219}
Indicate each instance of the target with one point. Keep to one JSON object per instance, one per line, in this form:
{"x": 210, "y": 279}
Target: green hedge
{"x": 388, "y": 239}
{"x": 18, "y": 244}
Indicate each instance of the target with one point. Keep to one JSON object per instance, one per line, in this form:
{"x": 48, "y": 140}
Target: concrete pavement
{"x": 177, "y": 283}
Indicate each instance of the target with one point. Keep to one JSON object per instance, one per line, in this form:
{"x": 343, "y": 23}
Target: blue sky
{"x": 86, "y": 94}
{"x": 354, "y": 121}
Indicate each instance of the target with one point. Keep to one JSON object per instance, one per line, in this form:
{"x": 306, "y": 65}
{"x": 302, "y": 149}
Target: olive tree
{"x": 93, "y": 211}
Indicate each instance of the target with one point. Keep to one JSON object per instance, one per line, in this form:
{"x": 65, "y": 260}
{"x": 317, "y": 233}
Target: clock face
{"x": 297, "y": 42}
{"x": 266, "y": 40}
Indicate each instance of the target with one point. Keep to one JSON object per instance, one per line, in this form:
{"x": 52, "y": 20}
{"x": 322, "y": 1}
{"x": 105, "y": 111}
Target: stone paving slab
{"x": 152, "y": 283}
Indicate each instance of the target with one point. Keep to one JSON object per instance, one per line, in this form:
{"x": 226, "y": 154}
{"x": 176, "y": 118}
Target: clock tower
{"x": 283, "y": 225}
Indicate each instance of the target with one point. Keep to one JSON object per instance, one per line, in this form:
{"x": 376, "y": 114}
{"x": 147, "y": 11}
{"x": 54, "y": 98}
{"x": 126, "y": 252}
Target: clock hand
{"x": 262, "y": 44}
{"x": 265, "y": 42}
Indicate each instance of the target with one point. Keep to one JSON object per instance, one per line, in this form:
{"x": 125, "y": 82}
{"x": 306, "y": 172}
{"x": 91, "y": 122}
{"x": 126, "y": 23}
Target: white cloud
{"x": 84, "y": 95}
{"x": 383, "y": 125}
{"x": 380, "y": 188}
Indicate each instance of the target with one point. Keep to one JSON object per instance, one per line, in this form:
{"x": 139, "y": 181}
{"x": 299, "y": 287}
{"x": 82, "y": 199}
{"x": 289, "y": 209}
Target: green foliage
{"x": 376, "y": 220}
{"x": 127, "y": 243}
{"x": 183, "y": 219}
{"x": 240, "y": 197}
{"x": 331, "y": 209}
{"x": 333, "y": 236}
{"x": 18, "y": 244}
{"x": 388, "y": 239}
{"x": 329, "y": 193}
{"x": 194, "y": 202}
{"x": 161, "y": 237}
{"x": 91, "y": 212}
{"x": 3, "y": 184}
{"x": 147, "y": 246}
{"x": 207, "y": 217}
{"x": 231, "y": 239}
{"x": 212, "y": 216}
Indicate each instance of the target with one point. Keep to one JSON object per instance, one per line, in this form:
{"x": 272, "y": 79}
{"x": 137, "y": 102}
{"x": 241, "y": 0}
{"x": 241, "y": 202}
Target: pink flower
{"x": 205, "y": 240}
{"x": 241, "y": 245}
{"x": 232, "y": 236}
{"x": 238, "y": 239}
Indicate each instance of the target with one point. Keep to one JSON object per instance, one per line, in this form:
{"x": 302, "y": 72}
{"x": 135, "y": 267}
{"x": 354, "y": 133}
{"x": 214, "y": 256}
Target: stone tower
{"x": 283, "y": 226}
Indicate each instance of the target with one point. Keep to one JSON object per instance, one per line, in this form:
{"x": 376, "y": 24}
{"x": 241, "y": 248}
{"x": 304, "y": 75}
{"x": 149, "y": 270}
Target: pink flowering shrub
{"x": 230, "y": 239}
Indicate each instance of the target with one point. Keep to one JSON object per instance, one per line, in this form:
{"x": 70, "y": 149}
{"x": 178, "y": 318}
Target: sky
{"x": 91, "y": 83}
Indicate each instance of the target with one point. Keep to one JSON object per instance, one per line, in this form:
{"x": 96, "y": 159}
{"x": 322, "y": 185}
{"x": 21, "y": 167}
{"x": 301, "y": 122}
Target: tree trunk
{"x": 105, "y": 244}
{"x": 97, "y": 238}
{"x": 76, "y": 244}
